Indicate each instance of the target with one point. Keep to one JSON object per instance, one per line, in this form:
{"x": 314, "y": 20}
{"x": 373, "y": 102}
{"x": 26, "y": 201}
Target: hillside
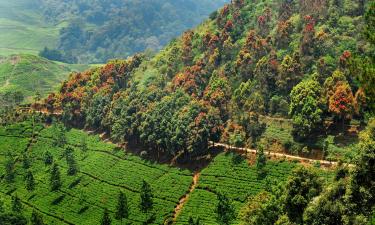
{"x": 94, "y": 31}
{"x": 30, "y": 74}
{"x": 307, "y": 64}
{"x": 103, "y": 170}
{"x": 23, "y": 29}
{"x": 290, "y": 77}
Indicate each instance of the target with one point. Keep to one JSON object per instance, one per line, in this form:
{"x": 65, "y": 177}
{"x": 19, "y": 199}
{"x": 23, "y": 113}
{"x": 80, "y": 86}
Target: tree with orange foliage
{"x": 342, "y": 103}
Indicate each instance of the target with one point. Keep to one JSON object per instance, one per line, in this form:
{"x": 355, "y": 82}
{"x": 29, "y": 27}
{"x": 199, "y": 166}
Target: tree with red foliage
{"x": 342, "y": 103}
{"x": 187, "y": 47}
{"x": 286, "y": 10}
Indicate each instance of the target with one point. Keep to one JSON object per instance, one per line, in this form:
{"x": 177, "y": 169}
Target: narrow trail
{"x": 277, "y": 155}
{"x": 185, "y": 198}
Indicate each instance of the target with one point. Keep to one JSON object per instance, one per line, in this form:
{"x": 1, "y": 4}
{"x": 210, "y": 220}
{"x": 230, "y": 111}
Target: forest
{"x": 294, "y": 77}
{"x": 101, "y": 30}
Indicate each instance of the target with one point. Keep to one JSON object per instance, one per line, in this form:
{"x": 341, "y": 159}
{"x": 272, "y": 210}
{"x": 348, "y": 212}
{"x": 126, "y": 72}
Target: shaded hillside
{"x": 30, "y": 74}
{"x": 101, "y": 30}
{"x": 304, "y": 60}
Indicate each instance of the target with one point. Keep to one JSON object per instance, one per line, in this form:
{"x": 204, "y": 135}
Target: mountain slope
{"x": 224, "y": 80}
{"x": 23, "y": 28}
{"x": 30, "y": 74}
{"x": 101, "y": 30}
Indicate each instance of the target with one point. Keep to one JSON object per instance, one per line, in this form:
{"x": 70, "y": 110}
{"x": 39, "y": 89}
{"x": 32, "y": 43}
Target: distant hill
{"x": 23, "y": 28}
{"x": 29, "y": 74}
{"x": 88, "y": 31}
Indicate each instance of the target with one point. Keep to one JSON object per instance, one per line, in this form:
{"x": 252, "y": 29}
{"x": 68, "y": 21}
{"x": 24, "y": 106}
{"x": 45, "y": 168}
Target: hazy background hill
{"x": 94, "y": 31}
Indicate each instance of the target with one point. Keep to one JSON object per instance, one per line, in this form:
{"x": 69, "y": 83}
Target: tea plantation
{"x": 104, "y": 170}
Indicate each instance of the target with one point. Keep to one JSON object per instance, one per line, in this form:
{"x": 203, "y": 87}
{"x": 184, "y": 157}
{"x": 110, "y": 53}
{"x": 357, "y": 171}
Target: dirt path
{"x": 277, "y": 155}
{"x": 185, "y": 198}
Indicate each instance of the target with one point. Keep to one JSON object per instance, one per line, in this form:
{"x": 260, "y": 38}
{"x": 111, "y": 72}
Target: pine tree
{"x": 192, "y": 222}
{"x": 70, "y": 160}
{"x": 1, "y": 206}
{"x": 9, "y": 169}
{"x": 224, "y": 210}
{"x": 48, "y": 158}
{"x": 146, "y": 197}
{"x": 25, "y": 161}
{"x": 261, "y": 160}
{"x": 36, "y": 218}
{"x": 122, "y": 210}
{"x": 55, "y": 179}
{"x": 84, "y": 147}
{"x": 16, "y": 204}
{"x": 30, "y": 182}
{"x": 106, "y": 220}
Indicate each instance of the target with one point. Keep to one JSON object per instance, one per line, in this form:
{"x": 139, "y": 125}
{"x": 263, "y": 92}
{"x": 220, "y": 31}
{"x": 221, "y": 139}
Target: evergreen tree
{"x": 70, "y": 160}
{"x": 48, "y": 158}
{"x": 194, "y": 222}
{"x": 16, "y": 204}
{"x": 36, "y": 218}
{"x": 261, "y": 160}
{"x": 122, "y": 210}
{"x": 30, "y": 182}
{"x": 25, "y": 161}
{"x": 9, "y": 169}
{"x": 224, "y": 210}
{"x": 146, "y": 197}
{"x": 55, "y": 179}
{"x": 1, "y": 206}
{"x": 106, "y": 219}
{"x": 84, "y": 147}
{"x": 59, "y": 135}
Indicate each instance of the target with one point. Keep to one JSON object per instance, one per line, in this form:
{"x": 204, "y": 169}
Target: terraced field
{"x": 232, "y": 176}
{"x": 104, "y": 171}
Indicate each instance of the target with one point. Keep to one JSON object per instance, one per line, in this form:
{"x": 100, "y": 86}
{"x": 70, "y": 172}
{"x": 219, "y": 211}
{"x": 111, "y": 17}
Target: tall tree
{"x": 55, "y": 180}
{"x": 341, "y": 103}
{"x": 224, "y": 209}
{"x": 9, "y": 169}
{"x": 16, "y": 204}
{"x": 122, "y": 209}
{"x": 106, "y": 219}
{"x": 70, "y": 160}
{"x": 300, "y": 189}
{"x": 305, "y": 107}
{"x": 30, "y": 182}
{"x": 36, "y": 218}
{"x": 146, "y": 196}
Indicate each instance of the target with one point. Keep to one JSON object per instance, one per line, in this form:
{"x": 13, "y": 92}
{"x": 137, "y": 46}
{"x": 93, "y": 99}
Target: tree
{"x": 12, "y": 219}
{"x": 25, "y": 161}
{"x": 194, "y": 222}
{"x": 30, "y": 182}
{"x": 106, "y": 219}
{"x": 48, "y": 158}
{"x": 36, "y": 218}
{"x": 84, "y": 147}
{"x": 16, "y": 204}
{"x": 146, "y": 196}
{"x": 9, "y": 169}
{"x": 59, "y": 135}
{"x": 70, "y": 160}
{"x": 341, "y": 103}
{"x": 1, "y": 206}
{"x": 300, "y": 189}
{"x": 224, "y": 209}
{"x": 122, "y": 210}
{"x": 55, "y": 180}
{"x": 305, "y": 108}
{"x": 261, "y": 160}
